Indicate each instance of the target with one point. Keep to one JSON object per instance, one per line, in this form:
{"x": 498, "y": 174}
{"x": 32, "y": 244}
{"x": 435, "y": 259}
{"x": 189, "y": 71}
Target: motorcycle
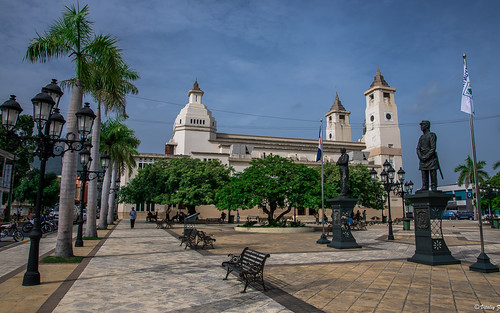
{"x": 10, "y": 230}
{"x": 47, "y": 224}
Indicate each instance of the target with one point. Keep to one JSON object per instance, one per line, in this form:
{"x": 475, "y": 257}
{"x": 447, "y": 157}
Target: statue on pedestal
{"x": 343, "y": 163}
{"x": 426, "y": 152}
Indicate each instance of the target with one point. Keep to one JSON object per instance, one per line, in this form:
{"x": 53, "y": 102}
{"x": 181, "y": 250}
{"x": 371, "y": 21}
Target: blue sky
{"x": 272, "y": 67}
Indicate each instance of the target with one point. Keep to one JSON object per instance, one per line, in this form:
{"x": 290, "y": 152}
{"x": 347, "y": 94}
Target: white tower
{"x": 194, "y": 127}
{"x": 382, "y": 136}
{"x": 338, "y": 127}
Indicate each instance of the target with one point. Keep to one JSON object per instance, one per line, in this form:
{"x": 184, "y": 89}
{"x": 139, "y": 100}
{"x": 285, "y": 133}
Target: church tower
{"x": 382, "y": 136}
{"x": 194, "y": 127}
{"x": 338, "y": 127}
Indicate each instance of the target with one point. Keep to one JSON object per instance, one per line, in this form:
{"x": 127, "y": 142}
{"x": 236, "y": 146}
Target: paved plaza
{"x": 145, "y": 270}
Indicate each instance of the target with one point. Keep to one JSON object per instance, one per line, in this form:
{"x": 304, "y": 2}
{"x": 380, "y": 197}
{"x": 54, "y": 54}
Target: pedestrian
{"x": 133, "y": 215}
{"x": 19, "y": 213}
{"x": 358, "y": 216}
{"x": 222, "y": 217}
{"x": 364, "y": 216}
{"x": 237, "y": 216}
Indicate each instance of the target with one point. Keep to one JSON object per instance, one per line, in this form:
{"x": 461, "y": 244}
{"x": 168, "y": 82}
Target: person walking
{"x": 133, "y": 215}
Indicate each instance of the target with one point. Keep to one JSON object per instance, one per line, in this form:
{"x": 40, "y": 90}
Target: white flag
{"x": 467, "y": 103}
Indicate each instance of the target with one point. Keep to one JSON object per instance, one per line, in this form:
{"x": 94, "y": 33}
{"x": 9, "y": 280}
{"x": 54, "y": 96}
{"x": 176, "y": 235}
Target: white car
{"x": 76, "y": 210}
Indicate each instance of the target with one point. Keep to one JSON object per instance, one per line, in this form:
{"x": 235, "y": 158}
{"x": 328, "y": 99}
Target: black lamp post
{"x": 49, "y": 144}
{"x": 387, "y": 178}
{"x": 402, "y": 188}
{"x": 489, "y": 192}
{"x": 85, "y": 176}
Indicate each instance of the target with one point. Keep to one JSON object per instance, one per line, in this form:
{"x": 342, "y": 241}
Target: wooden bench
{"x": 189, "y": 238}
{"x": 216, "y": 220}
{"x": 253, "y": 218}
{"x": 205, "y": 240}
{"x": 249, "y": 265}
{"x": 164, "y": 224}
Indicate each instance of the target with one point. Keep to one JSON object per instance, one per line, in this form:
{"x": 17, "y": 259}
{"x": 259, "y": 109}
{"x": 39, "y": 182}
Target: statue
{"x": 343, "y": 163}
{"x": 426, "y": 152}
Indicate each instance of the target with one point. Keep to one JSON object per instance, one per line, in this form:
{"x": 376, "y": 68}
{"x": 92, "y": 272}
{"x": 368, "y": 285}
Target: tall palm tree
{"x": 120, "y": 143}
{"x": 72, "y": 35}
{"x": 113, "y": 97}
{"x": 466, "y": 172}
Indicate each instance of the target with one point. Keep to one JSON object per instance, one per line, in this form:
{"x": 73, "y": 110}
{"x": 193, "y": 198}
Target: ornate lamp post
{"x": 387, "y": 178}
{"x": 49, "y": 123}
{"x": 85, "y": 176}
{"x": 489, "y": 192}
{"x": 403, "y": 188}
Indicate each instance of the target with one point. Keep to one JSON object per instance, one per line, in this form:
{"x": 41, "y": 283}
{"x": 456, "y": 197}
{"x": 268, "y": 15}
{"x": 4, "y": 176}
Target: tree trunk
{"x": 64, "y": 244}
{"x": 112, "y": 194}
{"x": 104, "y": 198}
{"x": 91, "y": 229}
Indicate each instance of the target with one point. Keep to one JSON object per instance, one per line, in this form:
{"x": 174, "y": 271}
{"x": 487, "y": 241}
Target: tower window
{"x": 390, "y": 145}
{"x": 388, "y": 116}
{"x": 203, "y": 122}
{"x": 372, "y": 118}
{"x": 330, "y": 136}
{"x": 180, "y": 121}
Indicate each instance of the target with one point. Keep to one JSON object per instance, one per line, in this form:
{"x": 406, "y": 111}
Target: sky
{"x": 272, "y": 67}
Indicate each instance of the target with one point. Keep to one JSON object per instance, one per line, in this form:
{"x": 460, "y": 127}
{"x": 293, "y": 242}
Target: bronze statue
{"x": 343, "y": 163}
{"x": 426, "y": 151}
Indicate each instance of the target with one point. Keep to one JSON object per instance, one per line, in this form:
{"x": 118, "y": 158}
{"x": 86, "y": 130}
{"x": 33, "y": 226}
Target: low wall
{"x": 274, "y": 230}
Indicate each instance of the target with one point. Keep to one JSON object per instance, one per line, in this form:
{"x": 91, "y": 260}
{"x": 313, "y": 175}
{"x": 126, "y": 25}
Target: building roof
{"x": 378, "y": 80}
{"x": 337, "y": 105}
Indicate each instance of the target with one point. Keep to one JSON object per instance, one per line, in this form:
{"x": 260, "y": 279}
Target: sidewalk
{"x": 144, "y": 270}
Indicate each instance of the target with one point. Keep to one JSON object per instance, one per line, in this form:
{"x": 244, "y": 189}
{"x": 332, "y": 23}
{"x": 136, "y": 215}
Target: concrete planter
{"x": 275, "y": 230}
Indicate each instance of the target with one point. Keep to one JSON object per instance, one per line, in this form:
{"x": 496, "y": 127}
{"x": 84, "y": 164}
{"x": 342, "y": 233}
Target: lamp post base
{"x": 483, "y": 265}
{"x": 323, "y": 239}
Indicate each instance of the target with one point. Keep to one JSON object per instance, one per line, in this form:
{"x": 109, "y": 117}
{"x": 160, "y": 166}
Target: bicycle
{"x": 10, "y": 230}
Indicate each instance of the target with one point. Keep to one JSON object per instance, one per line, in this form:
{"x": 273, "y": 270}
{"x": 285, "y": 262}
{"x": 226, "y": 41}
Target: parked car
{"x": 449, "y": 214}
{"x": 55, "y": 213}
{"x": 464, "y": 215}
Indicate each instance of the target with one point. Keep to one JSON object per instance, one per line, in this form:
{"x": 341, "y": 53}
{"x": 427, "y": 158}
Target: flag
{"x": 467, "y": 103}
{"x": 320, "y": 145}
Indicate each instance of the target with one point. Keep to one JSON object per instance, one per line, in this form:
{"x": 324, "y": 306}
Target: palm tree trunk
{"x": 91, "y": 229}
{"x": 64, "y": 244}
{"x": 104, "y": 199}
{"x": 112, "y": 194}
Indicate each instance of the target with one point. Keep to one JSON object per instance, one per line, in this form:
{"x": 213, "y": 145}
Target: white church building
{"x": 195, "y": 135}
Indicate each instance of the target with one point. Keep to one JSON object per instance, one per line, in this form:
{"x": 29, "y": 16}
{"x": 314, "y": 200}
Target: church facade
{"x": 195, "y": 135}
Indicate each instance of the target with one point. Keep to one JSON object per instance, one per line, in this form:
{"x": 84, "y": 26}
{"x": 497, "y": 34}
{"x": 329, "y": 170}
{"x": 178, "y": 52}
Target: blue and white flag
{"x": 320, "y": 145}
{"x": 467, "y": 103}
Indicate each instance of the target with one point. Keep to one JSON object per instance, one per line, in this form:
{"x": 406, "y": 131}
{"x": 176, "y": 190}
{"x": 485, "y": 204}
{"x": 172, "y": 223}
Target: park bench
{"x": 253, "y": 218}
{"x": 205, "y": 240}
{"x": 249, "y": 265}
{"x": 164, "y": 223}
{"x": 215, "y": 220}
{"x": 189, "y": 238}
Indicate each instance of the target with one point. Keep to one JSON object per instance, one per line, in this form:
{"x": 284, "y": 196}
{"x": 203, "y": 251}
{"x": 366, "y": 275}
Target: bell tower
{"x": 382, "y": 136}
{"x": 338, "y": 127}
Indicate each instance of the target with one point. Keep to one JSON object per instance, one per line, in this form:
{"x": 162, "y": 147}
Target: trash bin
{"x": 384, "y": 219}
{"x": 406, "y": 224}
{"x": 495, "y": 222}
{"x": 230, "y": 220}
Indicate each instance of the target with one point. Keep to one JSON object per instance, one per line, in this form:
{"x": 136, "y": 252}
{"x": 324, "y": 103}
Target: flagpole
{"x": 322, "y": 239}
{"x": 483, "y": 263}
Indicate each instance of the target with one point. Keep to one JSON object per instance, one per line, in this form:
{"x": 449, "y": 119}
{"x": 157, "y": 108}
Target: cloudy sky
{"x": 272, "y": 67}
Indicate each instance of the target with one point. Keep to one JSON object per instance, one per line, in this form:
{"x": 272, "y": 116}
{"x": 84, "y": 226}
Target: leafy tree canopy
{"x": 27, "y": 189}
{"x": 182, "y": 181}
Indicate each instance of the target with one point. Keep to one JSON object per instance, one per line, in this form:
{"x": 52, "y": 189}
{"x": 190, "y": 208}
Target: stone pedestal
{"x": 431, "y": 249}
{"x": 342, "y": 238}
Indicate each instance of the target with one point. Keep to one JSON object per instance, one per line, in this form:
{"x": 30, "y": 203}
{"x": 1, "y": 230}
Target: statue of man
{"x": 343, "y": 163}
{"x": 426, "y": 152}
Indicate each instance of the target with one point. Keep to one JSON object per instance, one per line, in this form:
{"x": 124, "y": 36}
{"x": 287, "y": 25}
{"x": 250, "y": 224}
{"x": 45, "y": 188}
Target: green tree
{"x": 466, "y": 172}
{"x": 72, "y": 35}
{"x": 271, "y": 184}
{"x": 496, "y": 165}
{"x": 119, "y": 141}
{"x": 183, "y": 181}
{"x": 27, "y": 189}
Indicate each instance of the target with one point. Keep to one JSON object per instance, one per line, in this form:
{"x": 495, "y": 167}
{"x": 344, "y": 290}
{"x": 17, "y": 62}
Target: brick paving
{"x": 145, "y": 270}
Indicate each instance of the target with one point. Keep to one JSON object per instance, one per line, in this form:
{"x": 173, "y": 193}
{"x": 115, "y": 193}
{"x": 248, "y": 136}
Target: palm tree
{"x": 120, "y": 143}
{"x": 72, "y": 35}
{"x": 113, "y": 97}
{"x": 466, "y": 176}
{"x": 496, "y": 165}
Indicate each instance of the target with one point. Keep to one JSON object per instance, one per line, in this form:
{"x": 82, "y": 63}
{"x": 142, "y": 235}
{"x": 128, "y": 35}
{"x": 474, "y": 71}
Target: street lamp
{"x": 401, "y": 188}
{"x": 387, "y": 178}
{"x": 85, "y": 176}
{"x": 48, "y": 142}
